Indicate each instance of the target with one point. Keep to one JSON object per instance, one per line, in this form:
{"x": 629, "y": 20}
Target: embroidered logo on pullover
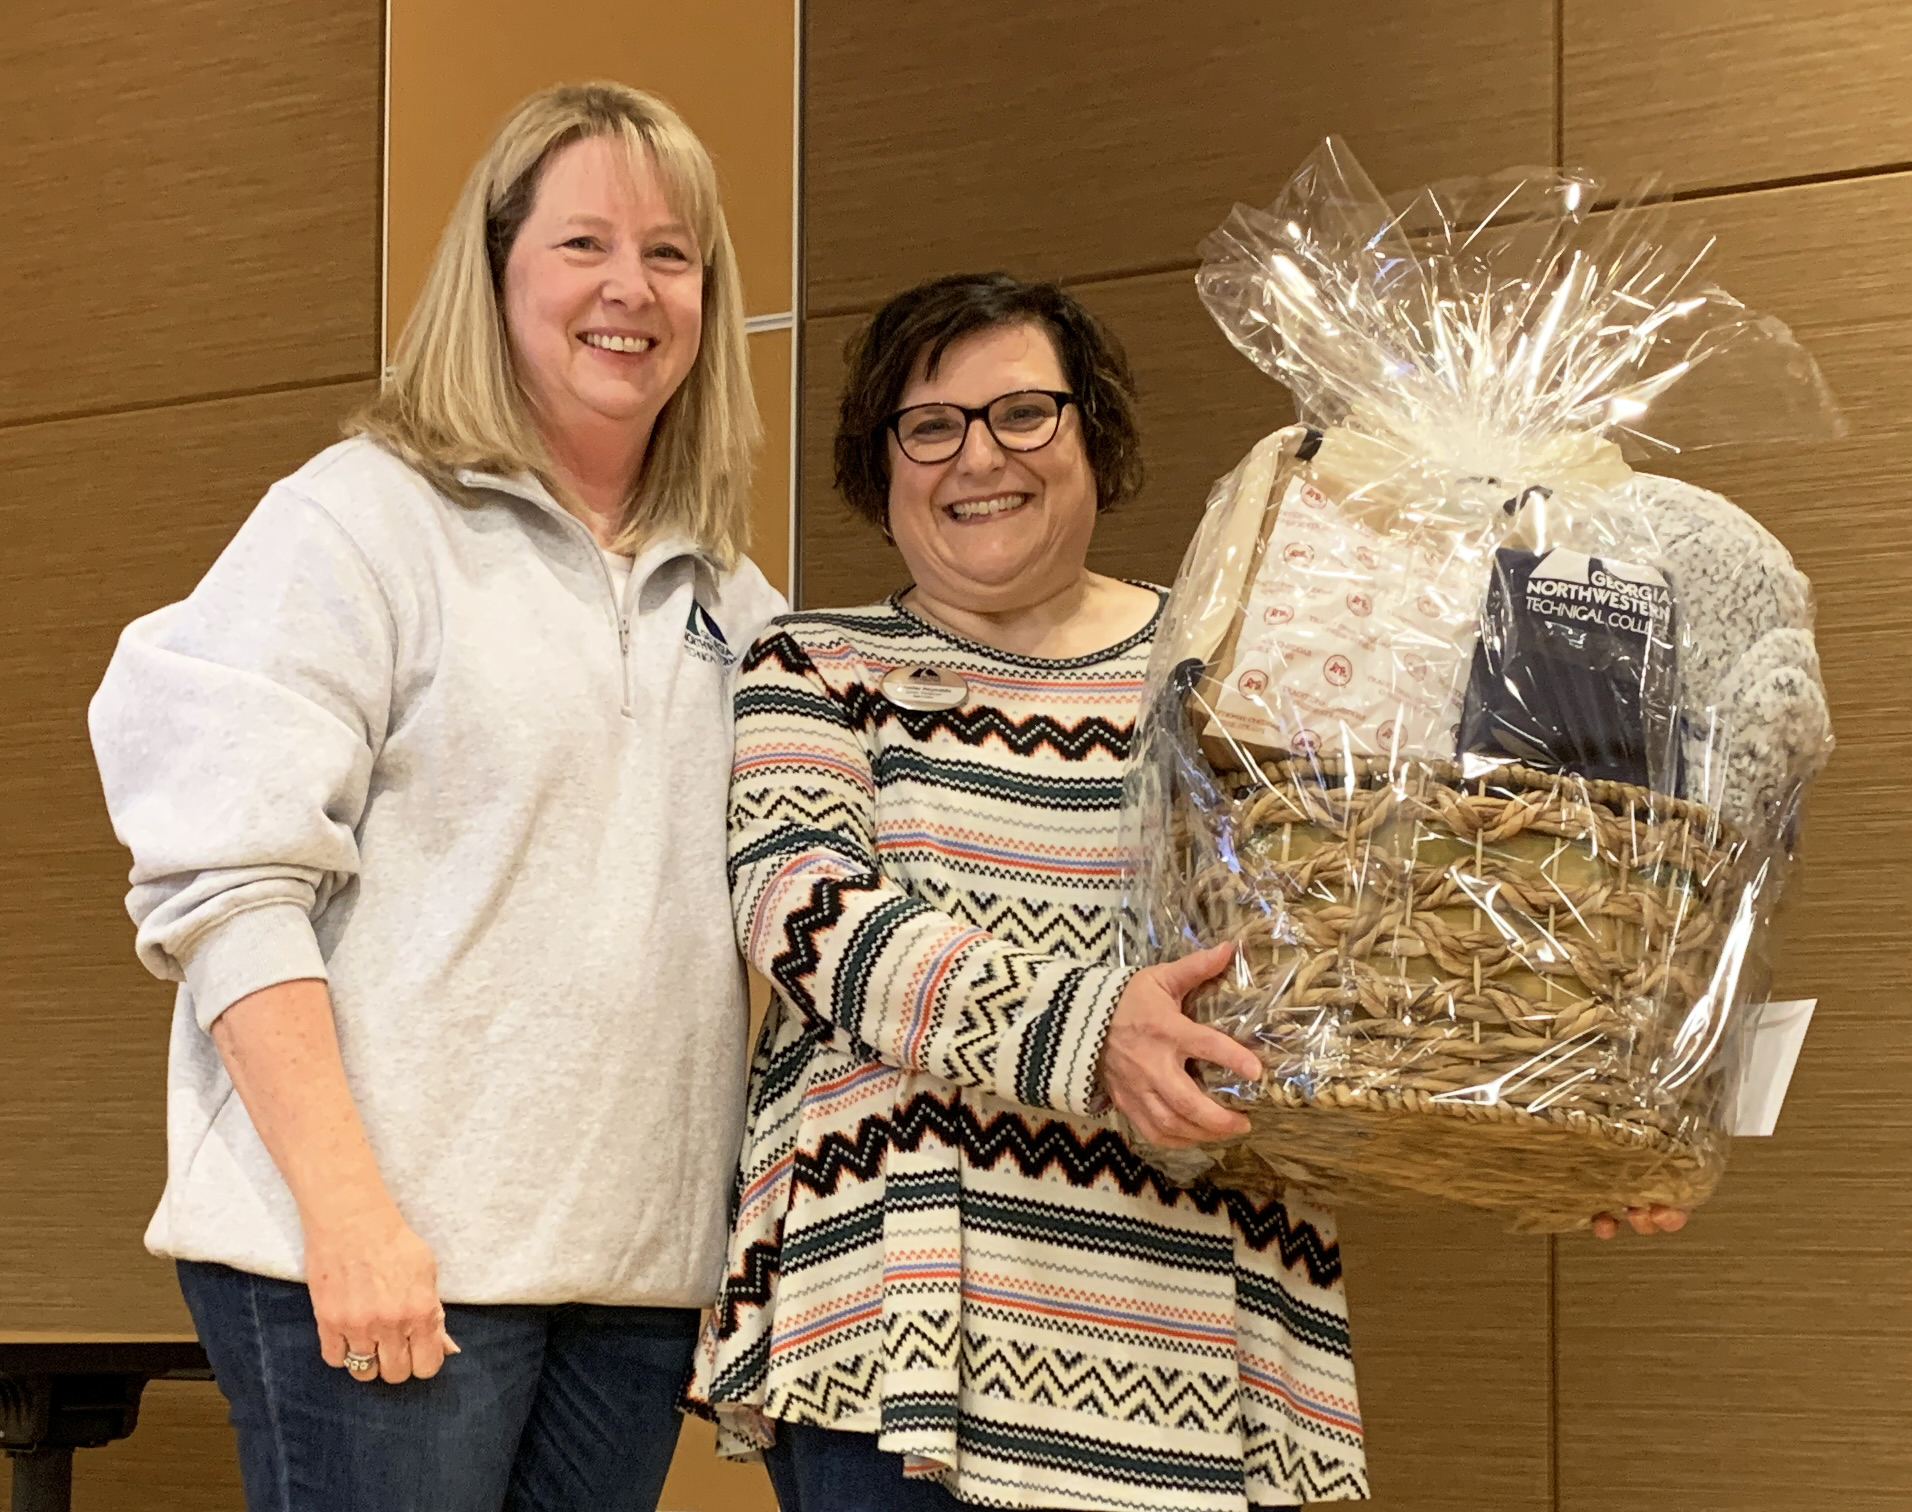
{"x": 704, "y": 637}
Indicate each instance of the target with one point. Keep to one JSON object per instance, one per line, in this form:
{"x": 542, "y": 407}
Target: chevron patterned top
{"x": 937, "y": 1238}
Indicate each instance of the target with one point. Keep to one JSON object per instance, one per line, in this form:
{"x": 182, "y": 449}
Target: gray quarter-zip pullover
{"x": 418, "y": 747}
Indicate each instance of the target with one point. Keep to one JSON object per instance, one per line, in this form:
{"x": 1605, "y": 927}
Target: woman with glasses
{"x": 951, "y": 1280}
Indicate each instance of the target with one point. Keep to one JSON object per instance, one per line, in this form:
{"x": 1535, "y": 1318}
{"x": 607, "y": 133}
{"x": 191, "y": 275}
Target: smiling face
{"x": 992, "y": 531}
{"x": 603, "y": 294}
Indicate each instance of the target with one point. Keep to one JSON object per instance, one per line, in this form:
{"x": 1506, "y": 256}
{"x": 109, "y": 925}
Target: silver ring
{"x": 357, "y": 1363}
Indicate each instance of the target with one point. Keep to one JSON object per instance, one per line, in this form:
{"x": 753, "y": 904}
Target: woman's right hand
{"x": 1151, "y": 1041}
{"x": 374, "y": 1283}
{"x": 374, "y": 1286}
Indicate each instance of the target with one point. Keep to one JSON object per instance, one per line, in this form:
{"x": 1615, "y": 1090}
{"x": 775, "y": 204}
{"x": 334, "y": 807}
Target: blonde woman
{"x": 424, "y": 786}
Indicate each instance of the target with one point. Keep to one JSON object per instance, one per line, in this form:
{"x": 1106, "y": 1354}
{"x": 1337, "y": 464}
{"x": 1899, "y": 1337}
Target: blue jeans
{"x": 826, "y": 1470}
{"x": 548, "y": 1409}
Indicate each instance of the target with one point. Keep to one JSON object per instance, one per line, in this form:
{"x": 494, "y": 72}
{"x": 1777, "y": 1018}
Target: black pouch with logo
{"x": 1574, "y": 671}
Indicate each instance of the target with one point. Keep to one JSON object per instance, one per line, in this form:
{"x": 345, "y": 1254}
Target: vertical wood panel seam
{"x": 383, "y": 252}
{"x": 1553, "y": 1372}
{"x": 799, "y": 308}
{"x": 1560, "y": 83}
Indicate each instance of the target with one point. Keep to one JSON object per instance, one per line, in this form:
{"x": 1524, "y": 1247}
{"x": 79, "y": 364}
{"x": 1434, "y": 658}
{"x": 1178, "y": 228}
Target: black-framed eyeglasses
{"x": 1024, "y": 421}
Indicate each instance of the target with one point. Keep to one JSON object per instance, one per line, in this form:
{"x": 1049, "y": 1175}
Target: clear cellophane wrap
{"x": 1485, "y": 749}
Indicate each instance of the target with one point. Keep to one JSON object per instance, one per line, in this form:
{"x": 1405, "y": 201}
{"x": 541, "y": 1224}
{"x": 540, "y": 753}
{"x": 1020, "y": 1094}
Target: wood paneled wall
{"x": 1760, "y": 1358}
{"x": 1085, "y": 142}
{"x": 1769, "y": 1349}
{"x": 191, "y": 258}
{"x": 147, "y": 405}
{"x": 191, "y": 190}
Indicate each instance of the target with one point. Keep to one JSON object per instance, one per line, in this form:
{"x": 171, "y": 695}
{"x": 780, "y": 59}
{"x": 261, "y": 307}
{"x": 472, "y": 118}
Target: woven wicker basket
{"x": 1471, "y": 991}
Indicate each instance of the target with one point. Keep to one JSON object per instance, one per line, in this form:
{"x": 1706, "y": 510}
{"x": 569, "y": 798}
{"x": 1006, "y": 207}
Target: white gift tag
{"x": 1770, "y": 1058}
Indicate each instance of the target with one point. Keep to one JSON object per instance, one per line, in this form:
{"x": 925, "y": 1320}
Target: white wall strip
{"x": 796, "y": 291}
{"x": 385, "y": 194}
{"x": 783, "y": 320}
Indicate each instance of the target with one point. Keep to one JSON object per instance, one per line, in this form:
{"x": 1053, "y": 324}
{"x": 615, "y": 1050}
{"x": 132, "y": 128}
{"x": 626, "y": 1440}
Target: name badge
{"x": 921, "y": 687}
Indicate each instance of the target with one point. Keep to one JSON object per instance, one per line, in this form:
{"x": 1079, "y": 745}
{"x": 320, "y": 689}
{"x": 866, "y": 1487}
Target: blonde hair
{"x": 451, "y": 400}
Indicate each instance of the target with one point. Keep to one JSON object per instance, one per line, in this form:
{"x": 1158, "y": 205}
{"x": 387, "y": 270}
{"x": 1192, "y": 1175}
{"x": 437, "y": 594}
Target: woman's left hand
{"x": 1151, "y": 1041}
{"x": 1647, "y": 1220}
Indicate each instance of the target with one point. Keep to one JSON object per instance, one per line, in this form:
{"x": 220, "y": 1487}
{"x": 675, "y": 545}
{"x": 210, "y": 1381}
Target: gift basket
{"x": 1484, "y": 746}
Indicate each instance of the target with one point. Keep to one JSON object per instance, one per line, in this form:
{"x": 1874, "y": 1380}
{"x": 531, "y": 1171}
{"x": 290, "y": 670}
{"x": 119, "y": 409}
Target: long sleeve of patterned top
{"x": 859, "y": 956}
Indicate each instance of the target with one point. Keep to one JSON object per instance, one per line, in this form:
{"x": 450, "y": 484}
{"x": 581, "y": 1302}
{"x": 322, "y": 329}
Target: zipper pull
{"x": 623, "y": 635}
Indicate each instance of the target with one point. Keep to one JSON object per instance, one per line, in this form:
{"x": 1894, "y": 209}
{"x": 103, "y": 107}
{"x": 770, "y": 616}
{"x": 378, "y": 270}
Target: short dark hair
{"x": 927, "y": 320}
